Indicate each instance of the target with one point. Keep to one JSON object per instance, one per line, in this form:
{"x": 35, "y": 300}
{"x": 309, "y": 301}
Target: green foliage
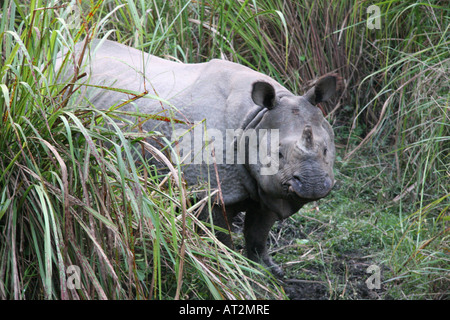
{"x": 71, "y": 192}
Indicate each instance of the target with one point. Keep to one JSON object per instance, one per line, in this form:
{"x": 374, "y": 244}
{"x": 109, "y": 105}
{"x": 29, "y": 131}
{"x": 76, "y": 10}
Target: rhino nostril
{"x": 327, "y": 183}
{"x": 297, "y": 179}
{"x": 311, "y": 187}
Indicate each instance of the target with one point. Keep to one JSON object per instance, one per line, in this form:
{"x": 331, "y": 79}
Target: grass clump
{"x": 80, "y": 218}
{"x": 76, "y": 191}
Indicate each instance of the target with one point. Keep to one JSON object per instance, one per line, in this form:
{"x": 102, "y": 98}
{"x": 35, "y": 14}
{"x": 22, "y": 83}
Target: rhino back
{"x": 217, "y": 91}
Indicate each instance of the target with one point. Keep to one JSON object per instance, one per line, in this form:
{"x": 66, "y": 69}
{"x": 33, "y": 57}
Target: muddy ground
{"x": 312, "y": 273}
{"x": 351, "y": 284}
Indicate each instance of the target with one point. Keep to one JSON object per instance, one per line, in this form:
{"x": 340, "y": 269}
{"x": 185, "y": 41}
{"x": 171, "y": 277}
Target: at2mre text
{"x": 232, "y": 309}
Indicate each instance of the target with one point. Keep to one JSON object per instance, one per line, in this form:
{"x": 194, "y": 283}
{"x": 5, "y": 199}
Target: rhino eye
{"x": 280, "y": 155}
{"x": 325, "y": 152}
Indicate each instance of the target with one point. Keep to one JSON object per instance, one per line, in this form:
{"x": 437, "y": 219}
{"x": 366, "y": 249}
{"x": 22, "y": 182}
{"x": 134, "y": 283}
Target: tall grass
{"x": 395, "y": 107}
{"x": 74, "y": 200}
{"x": 73, "y": 194}
{"x": 408, "y": 120}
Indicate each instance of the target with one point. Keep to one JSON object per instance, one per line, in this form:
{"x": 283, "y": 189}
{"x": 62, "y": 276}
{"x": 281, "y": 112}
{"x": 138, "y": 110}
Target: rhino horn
{"x": 307, "y": 137}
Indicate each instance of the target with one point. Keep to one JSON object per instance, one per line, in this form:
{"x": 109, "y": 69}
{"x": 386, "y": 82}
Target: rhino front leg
{"x": 258, "y": 222}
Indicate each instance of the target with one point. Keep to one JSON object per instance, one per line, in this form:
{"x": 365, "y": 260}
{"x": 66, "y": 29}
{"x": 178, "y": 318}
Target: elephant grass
{"x": 75, "y": 190}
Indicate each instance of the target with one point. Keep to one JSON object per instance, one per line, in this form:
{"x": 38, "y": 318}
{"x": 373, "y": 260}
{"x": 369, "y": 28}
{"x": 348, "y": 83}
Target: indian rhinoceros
{"x": 228, "y": 98}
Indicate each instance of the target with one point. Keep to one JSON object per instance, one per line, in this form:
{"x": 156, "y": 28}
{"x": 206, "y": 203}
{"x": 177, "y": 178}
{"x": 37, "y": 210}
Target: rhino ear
{"x": 263, "y": 94}
{"x": 324, "y": 89}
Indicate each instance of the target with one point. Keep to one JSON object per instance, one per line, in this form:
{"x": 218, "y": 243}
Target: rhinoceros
{"x": 229, "y": 97}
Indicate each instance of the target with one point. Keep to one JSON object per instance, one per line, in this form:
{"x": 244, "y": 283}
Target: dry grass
{"x": 71, "y": 192}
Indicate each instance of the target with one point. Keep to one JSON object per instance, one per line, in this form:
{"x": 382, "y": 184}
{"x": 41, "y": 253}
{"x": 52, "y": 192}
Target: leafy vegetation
{"x": 73, "y": 194}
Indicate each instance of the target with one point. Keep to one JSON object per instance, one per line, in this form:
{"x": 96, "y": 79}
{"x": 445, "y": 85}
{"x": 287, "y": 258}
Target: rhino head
{"x": 306, "y": 146}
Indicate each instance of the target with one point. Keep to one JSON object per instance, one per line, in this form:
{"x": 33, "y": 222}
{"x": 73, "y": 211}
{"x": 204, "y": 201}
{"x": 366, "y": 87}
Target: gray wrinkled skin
{"x": 229, "y": 96}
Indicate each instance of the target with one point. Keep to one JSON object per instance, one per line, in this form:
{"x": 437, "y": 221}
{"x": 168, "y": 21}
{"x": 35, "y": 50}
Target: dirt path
{"x": 346, "y": 280}
{"x": 316, "y": 273}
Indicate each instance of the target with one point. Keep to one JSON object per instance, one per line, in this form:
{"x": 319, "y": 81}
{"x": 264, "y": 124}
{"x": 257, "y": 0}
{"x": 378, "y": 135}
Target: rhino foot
{"x": 274, "y": 268}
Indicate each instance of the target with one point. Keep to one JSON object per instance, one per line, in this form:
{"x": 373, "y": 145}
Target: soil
{"x": 350, "y": 283}
{"x": 333, "y": 276}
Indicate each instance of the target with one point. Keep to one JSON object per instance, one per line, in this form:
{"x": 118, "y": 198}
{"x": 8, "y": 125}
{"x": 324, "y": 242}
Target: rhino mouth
{"x": 309, "y": 188}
